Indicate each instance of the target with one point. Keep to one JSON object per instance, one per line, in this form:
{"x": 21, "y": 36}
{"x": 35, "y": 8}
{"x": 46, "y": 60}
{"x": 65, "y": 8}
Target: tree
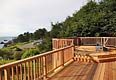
{"x": 40, "y": 33}
{"x": 93, "y": 19}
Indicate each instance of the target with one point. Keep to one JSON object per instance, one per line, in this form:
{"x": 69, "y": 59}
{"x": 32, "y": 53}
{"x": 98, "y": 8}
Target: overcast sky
{"x": 19, "y": 16}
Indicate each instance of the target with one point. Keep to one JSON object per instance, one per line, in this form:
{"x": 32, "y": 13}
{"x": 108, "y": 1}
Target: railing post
{"x": 17, "y": 73}
{"x": 12, "y": 73}
{"x": 62, "y": 57}
{"x": 72, "y": 51}
{"x": 0, "y": 74}
{"x": 44, "y": 69}
{"x": 21, "y": 74}
{"x": 7, "y": 74}
{"x": 29, "y": 71}
{"x": 25, "y": 71}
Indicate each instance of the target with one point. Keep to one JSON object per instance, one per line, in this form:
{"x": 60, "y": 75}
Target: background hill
{"x": 93, "y": 19}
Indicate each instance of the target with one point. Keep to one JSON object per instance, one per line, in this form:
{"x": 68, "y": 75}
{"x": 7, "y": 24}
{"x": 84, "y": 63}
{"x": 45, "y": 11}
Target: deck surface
{"x": 77, "y": 71}
{"x": 88, "y": 71}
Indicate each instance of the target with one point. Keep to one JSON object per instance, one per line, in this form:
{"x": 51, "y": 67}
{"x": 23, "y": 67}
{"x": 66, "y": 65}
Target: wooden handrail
{"x": 60, "y": 43}
{"x": 104, "y": 41}
{"x": 37, "y": 67}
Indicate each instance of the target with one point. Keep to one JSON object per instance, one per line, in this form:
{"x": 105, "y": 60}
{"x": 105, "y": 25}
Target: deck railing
{"x": 60, "y": 43}
{"x": 37, "y": 67}
{"x": 105, "y": 41}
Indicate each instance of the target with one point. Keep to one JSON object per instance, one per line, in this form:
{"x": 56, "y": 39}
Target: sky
{"x": 19, "y": 16}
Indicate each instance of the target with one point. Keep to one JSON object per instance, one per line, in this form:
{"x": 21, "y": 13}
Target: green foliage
{"x": 26, "y": 37}
{"x": 6, "y": 54}
{"x": 30, "y": 52}
{"x": 40, "y": 33}
{"x": 5, "y": 61}
{"x": 17, "y": 55}
{"x": 55, "y": 30}
{"x": 93, "y": 19}
{"x": 17, "y": 49}
{"x": 46, "y": 45}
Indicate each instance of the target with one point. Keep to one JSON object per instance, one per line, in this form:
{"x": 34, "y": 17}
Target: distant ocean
{"x": 4, "y": 38}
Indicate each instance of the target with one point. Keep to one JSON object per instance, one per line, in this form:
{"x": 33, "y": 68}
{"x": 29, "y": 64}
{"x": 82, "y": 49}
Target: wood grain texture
{"x": 76, "y": 71}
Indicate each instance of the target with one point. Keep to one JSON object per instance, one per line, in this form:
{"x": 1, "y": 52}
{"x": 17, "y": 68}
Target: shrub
{"x": 30, "y": 52}
{"x": 17, "y": 49}
{"x": 17, "y": 55}
{"x": 6, "y": 54}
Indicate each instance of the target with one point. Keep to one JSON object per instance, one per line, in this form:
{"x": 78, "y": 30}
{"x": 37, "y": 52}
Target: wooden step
{"x": 103, "y": 57}
{"x": 108, "y": 55}
{"x": 108, "y": 59}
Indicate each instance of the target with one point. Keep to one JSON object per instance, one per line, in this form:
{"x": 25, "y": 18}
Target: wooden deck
{"x": 87, "y": 71}
{"x": 77, "y": 71}
{"x": 80, "y": 70}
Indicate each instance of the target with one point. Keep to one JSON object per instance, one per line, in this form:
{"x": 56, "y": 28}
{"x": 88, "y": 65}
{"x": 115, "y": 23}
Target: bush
{"x": 6, "y": 54}
{"x": 17, "y": 49}
{"x": 17, "y": 55}
{"x": 30, "y": 52}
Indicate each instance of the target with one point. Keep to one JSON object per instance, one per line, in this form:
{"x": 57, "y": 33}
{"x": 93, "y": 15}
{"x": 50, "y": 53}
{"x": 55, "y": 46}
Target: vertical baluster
{"x": 12, "y": 73}
{"x": 37, "y": 69}
{"x": 41, "y": 64}
{"x": 44, "y": 67}
{"x": 34, "y": 70}
{"x": 7, "y": 73}
{"x": 0, "y": 74}
{"x": 25, "y": 71}
{"x": 17, "y": 73}
{"x": 21, "y": 74}
{"x": 31, "y": 70}
{"x": 47, "y": 69}
{"x": 28, "y": 70}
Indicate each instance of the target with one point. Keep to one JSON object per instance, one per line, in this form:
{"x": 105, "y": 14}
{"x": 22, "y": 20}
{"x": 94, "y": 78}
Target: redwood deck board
{"x": 87, "y": 71}
{"x": 76, "y": 71}
{"x": 114, "y": 70}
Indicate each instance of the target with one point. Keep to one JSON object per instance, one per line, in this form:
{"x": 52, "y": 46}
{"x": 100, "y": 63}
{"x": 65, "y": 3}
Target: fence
{"x": 105, "y": 41}
{"x": 37, "y": 67}
{"x": 60, "y": 43}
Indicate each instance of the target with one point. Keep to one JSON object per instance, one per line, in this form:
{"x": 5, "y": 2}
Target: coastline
{"x": 5, "y": 40}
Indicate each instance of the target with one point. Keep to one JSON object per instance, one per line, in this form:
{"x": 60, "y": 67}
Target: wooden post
{"x": 45, "y": 68}
{"x": 21, "y": 74}
{"x": 17, "y": 73}
{"x": 72, "y": 52}
{"x": 34, "y": 69}
{"x": 0, "y": 74}
{"x": 7, "y": 73}
{"x": 25, "y": 71}
{"x": 29, "y": 70}
{"x": 12, "y": 73}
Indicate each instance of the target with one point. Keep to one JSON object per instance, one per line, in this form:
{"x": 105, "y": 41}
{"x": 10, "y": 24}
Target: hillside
{"x": 93, "y": 19}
